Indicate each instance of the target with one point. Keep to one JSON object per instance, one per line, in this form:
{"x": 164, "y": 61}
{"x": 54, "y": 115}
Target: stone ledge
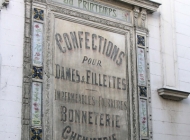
{"x": 172, "y": 94}
{"x": 150, "y": 5}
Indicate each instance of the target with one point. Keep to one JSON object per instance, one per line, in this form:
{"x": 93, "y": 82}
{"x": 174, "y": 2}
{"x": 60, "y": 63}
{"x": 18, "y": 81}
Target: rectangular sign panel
{"x": 98, "y": 8}
{"x": 90, "y": 101}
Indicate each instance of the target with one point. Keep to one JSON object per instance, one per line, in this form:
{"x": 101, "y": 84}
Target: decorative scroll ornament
{"x": 136, "y": 15}
{"x": 143, "y": 18}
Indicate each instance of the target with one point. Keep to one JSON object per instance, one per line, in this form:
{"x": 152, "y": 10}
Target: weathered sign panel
{"x": 98, "y": 8}
{"x": 90, "y": 101}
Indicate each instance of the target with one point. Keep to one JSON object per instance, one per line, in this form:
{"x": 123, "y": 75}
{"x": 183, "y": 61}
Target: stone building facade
{"x": 82, "y": 69}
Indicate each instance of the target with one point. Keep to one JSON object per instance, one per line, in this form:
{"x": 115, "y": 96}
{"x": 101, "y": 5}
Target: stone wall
{"x": 11, "y": 53}
{"x": 169, "y": 43}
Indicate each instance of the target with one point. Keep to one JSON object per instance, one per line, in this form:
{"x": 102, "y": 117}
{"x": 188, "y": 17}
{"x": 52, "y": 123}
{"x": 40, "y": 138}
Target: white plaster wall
{"x": 171, "y": 119}
{"x": 11, "y": 52}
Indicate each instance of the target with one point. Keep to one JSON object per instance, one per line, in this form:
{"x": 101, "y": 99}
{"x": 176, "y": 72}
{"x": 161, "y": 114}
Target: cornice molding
{"x": 149, "y": 5}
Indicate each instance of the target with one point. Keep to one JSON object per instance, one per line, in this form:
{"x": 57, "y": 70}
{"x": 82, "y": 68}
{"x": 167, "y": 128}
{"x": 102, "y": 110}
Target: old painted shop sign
{"x": 90, "y": 101}
{"x": 98, "y": 8}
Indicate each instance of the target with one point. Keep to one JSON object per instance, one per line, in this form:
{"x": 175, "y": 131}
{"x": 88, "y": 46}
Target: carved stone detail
{"x": 136, "y": 15}
{"x": 143, "y": 18}
{"x": 26, "y": 74}
{"x": 135, "y": 132}
{"x": 47, "y": 81}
